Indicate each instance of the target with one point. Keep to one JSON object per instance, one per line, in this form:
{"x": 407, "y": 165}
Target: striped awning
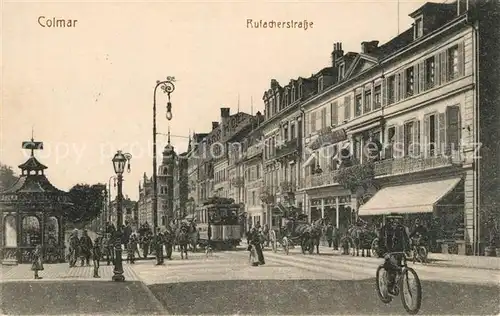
{"x": 309, "y": 161}
{"x": 409, "y": 199}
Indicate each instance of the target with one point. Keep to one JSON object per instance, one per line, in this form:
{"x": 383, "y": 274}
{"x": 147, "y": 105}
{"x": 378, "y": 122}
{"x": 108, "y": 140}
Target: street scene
{"x": 369, "y": 186}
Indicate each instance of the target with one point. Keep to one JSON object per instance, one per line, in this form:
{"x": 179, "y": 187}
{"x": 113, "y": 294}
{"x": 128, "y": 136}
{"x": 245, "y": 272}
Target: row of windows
{"x": 444, "y": 66}
{"x": 220, "y": 176}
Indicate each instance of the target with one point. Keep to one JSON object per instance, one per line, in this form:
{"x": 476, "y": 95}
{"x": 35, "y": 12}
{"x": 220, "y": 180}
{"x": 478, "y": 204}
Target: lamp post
{"x": 108, "y": 212}
{"x": 168, "y": 87}
{"x": 119, "y": 161}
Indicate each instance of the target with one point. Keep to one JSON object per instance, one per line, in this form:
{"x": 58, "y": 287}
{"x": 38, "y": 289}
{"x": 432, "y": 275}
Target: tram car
{"x": 218, "y": 223}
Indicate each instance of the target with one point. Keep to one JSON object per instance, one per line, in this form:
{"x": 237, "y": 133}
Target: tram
{"x": 218, "y": 223}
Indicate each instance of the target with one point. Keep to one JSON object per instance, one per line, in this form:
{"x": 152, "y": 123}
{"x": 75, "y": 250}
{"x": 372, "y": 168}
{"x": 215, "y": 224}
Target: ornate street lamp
{"x": 119, "y": 161}
{"x": 168, "y": 87}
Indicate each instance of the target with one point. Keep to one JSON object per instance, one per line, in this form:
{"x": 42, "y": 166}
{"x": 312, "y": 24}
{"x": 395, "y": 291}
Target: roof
{"x": 32, "y": 164}
{"x": 31, "y": 184}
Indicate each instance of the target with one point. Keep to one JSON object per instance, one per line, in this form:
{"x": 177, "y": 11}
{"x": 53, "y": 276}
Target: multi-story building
{"x": 399, "y": 126}
{"x": 181, "y": 189}
{"x": 282, "y": 136}
{"x": 130, "y": 212}
{"x": 145, "y": 202}
{"x": 194, "y": 160}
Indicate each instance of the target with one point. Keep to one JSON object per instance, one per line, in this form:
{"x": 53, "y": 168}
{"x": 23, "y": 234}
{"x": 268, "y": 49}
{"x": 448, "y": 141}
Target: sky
{"x": 87, "y": 91}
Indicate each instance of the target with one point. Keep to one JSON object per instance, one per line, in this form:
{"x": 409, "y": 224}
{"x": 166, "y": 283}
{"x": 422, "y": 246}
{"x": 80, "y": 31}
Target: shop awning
{"x": 409, "y": 199}
{"x": 309, "y": 161}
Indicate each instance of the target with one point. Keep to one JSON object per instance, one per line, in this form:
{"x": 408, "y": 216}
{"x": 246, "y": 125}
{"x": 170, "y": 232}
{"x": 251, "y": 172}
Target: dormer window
{"x": 293, "y": 94}
{"x": 320, "y": 84}
{"x": 418, "y": 28}
{"x": 285, "y": 101}
{"x": 341, "y": 71}
{"x": 300, "y": 91}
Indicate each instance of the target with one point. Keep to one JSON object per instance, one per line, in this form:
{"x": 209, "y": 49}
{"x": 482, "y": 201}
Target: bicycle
{"x": 419, "y": 251}
{"x": 401, "y": 284}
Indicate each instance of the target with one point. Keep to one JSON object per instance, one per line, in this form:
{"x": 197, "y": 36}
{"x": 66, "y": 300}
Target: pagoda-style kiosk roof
{"x": 32, "y": 213}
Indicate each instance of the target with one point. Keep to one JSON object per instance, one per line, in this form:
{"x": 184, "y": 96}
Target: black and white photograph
{"x": 254, "y": 157}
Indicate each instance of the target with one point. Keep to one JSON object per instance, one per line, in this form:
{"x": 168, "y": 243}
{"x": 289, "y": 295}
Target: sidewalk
{"x": 443, "y": 260}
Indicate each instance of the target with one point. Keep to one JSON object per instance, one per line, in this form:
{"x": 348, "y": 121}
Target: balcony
{"x": 287, "y": 187}
{"x": 287, "y": 148}
{"x": 410, "y": 165}
{"x": 321, "y": 179}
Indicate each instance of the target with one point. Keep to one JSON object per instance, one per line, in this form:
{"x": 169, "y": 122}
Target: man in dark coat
{"x": 158, "y": 244}
{"x": 74, "y": 248}
{"x": 329, "y": 234}
{"x": 97, "y": 255}
{"x": 169, "y": 241}
{"x": 86, "y": 248}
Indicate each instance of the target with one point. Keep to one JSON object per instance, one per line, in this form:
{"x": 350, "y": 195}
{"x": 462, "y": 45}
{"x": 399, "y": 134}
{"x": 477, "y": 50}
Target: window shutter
{"x": 437, "y": 70}
{"x": 383, "y": 92}
{"x": 443, "y": 70}
{"x": 441, "y": 145}
{"x": 416, "y": 139}
{"x": 323, "y": 117}
{"x": 398, "y": 150}
{"x": 426, "y": 138}
{"x": 421, "y": 77}
{"x": 313, "y": 122}
{"x": 335, "y": 115}
{"x": 461, "y": 58}
{"x": 402, "y": 85}
{"x": 347, "y": 107}
{"x": 308, "y": 124}
{"x": 396, "y": 87}
{"x": 452, "y": 128}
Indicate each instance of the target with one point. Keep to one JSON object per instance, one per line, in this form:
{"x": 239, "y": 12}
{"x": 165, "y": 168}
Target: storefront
{"x": 336, "y": 209}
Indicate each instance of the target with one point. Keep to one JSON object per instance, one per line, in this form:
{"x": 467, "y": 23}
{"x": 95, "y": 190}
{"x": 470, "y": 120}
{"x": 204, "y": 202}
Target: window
{"x": 285, "y": 99}
{"x": 391, "y": 89}
{"x": 391, "y": 140}
{"x": 323, "y": 117}
{"x": 410, "y": 81}
{"x": 300, "y": 91}
{"x": 334, "y": 113}
{"x": 293, "y": 94}
{"x": 408, "y": 137}
{"x": 368, "y": 102}
{"x": 292, "y": 131}
{"x": 341, "y": 71}
{"x": 347, "y": 107}
{"x": 258, "y": 171}
{"x": 320, "y": 84}
{"x": 285, "y": 133}
{"x": 357, "y": 105}
{"x": 419, "y": 28}
{"x": 430, "y": 70}
{"x": 377, "y": 97}
{"x": 313, "y": 122}
{"x": 432, "y": 135}
{"x": 253, "y": 198}
{"x": 453, "y": 62}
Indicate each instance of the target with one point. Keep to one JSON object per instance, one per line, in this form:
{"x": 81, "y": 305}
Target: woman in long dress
{"x": 37, "y": 264}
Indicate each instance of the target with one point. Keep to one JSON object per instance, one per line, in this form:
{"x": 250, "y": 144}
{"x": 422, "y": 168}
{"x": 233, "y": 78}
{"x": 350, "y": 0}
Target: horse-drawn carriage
{"x": 298, "y": 231}
{"x": 361, "y": 237}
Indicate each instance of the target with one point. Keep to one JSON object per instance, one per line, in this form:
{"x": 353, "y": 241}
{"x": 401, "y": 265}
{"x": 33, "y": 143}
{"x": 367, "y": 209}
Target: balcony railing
{"x": 409, "y": 165}
{"x": 287, "y": 148}
{"x": 321, "y": 179}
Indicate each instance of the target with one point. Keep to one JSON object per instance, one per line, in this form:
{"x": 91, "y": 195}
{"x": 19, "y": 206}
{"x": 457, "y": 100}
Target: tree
{"x": 87, "y": 202}
{"x": 7, "y": 177}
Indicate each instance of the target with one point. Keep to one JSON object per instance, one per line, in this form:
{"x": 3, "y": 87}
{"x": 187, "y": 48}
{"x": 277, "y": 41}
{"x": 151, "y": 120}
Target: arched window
{"x": 31, "y": 231}
{"x": 52, "y": 230}
{"x": 10, "y": 231}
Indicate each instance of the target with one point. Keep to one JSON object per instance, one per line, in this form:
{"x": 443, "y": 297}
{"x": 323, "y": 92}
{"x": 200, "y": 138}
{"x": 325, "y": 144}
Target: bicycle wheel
{"x": 381, "y": 283}
{"x": 411, "y": 292}
{"x": 422, "y": 253}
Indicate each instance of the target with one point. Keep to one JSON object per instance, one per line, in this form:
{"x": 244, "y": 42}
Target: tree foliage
{"x": 7, "y": 177}
{"x": 88, "y": 202}
{"x": 355, "y": 176}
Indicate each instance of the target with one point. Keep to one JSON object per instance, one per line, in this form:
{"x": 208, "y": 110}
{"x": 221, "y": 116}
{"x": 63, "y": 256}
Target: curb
{"x": 162, "y": 310}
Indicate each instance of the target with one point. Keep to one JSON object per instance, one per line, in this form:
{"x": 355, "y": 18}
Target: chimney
{"x": 337, "y": 52}
{"x": 369, "y": 47}
{"x": 225, "y": 112}
{"x": 215, "y": 125}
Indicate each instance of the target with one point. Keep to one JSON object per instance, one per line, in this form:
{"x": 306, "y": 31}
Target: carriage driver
{"x": 394, "y": 238}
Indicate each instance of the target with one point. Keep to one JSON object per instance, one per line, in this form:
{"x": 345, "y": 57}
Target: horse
{"x": 309, "y": 235}
{"x": 182, "y": 239}
{"x": 361, "y": 237}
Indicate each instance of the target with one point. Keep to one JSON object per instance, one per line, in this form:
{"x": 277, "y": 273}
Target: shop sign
{"x": 328, "y": 137}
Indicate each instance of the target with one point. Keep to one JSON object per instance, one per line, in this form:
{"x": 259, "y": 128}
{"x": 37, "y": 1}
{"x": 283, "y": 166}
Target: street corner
{"x": 78, "y": 297}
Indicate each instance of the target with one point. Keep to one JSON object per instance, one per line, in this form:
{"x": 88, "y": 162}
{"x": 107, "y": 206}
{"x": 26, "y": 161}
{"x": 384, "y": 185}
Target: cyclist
{"x": 419, "y": 232}
{"x": 395, "y": 238}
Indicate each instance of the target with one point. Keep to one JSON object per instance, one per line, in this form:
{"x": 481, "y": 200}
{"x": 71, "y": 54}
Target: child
{"x": 37, "y": 264}
{"x": 96, "y": 256}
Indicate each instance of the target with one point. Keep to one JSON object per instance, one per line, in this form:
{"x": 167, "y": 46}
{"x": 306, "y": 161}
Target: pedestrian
{"x": 131, "y": 248}
{"x": 97, "y": 255}
{"x": 146, "y": 240}
{"x": 74, "y": 248}
{"x": 329, "y": 234}
{"x": 335, "y": 237}
{"x": 256, "y": 241}
{"x": 158, "y": 243}
{"x": 85, "y": 248}
{"x": 168, "y": 239}
{"x": 36, "y": 261}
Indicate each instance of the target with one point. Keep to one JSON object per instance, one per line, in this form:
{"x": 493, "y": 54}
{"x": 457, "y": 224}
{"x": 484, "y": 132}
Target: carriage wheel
{"x": 374, "y": 248}
{"x": 274, "y": 243}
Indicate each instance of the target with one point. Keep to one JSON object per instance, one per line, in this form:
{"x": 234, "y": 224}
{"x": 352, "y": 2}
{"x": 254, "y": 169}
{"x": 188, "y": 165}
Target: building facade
{"x": 130, "y": 211}
{"x": 398, "y": 128}
{"x": 181, "y": 189}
